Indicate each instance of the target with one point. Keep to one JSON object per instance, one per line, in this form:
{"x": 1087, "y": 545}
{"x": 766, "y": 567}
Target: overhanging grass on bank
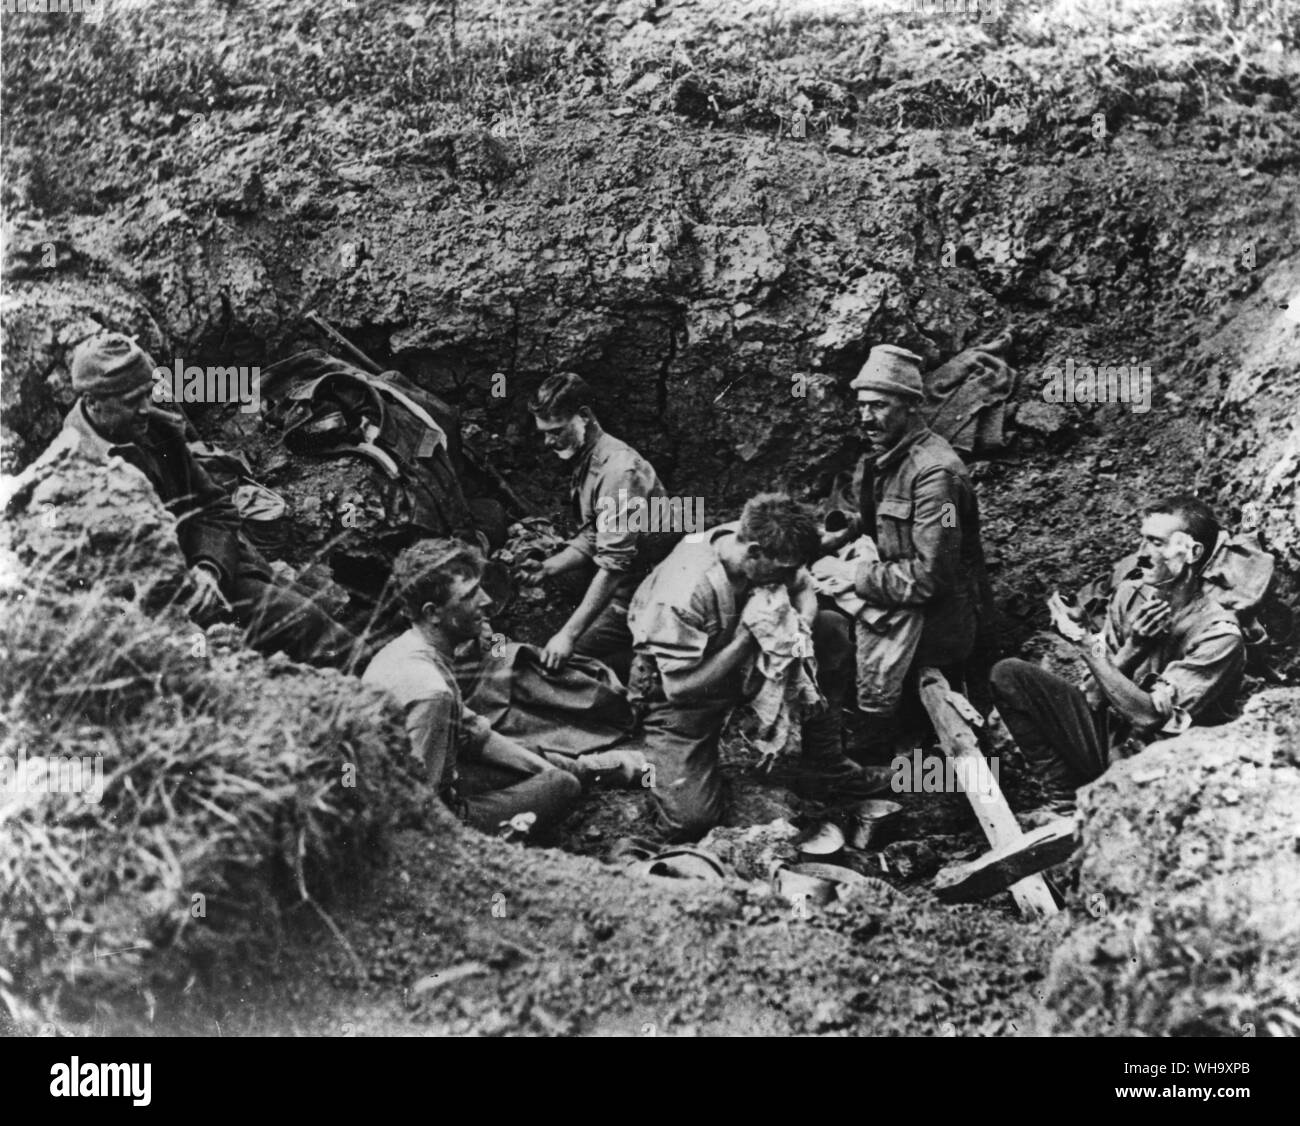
{"x": 221, "y": 792}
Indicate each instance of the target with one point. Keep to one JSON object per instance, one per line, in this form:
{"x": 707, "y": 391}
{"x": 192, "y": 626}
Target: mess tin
{"x": 871, "y": 822}
{"x": 827, "y": 841}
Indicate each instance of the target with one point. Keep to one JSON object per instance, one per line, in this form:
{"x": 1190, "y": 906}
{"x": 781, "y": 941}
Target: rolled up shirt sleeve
{"x": 619, "y": 497}
{"x": 677, "y": 638}
{"x": 936, "y": 548}
{"x": 1189, "y": 685}
{"x": 585, "y": 541}
{"x": 431, "y": 733}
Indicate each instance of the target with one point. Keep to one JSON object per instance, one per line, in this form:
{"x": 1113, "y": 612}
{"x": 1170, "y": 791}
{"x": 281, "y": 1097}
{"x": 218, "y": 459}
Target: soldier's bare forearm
{"x": 1122, "y": 694}
{"x": 599, "y": 592}
{"x": 708, "y": 677}
{"x": 1129, "y": 656}
{"x": 567, "y": 560}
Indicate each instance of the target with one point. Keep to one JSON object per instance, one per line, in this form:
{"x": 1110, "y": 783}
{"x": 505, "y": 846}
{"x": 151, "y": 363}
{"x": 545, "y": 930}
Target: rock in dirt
{"x": 1254, "y": 430}
{"x": 81, "y": 524}
{"x": 1188, "y": 916}
{"x": 911, "y": 860}
{"x": 1042, "y": 418}
{"x": 756, "y": 851}
{"x": 447, "y": 977}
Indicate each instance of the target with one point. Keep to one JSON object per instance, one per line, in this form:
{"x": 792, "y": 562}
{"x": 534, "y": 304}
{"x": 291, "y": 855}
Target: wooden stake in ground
{"x": 997, "y": 870}
{"x": 958, "y": 741}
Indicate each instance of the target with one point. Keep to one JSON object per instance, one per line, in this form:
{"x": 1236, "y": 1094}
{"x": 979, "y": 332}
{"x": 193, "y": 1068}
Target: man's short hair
{"x": 1197, "y": 517}
{"x": 426, "y": 572}
{"x": 561, "y": 396}
{"x": 781, "y": 527}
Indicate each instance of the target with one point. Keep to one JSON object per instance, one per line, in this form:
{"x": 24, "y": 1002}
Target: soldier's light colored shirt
{"x": 1193, "y": 670}
{"x": 609, "y": 479}
{"x": 686, "y": 609}
{"x": 439, "y": 726}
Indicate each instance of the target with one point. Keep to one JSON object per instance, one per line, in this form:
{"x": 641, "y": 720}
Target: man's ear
{"x": 1183, "y": 543}
{"x": 429, "y": 612}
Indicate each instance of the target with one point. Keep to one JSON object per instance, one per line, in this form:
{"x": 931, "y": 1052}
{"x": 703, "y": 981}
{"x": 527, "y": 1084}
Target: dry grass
{"x": 236, "y": 789}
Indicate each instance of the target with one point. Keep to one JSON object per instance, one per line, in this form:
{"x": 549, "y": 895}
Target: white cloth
{"x": 786, "y": 666}
{"x": 844, "y": 565}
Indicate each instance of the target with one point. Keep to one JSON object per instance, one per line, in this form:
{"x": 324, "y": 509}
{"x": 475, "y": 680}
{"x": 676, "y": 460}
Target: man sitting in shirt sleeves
{"x": 1168, "y": 657}
{"x": 487, "y": 779}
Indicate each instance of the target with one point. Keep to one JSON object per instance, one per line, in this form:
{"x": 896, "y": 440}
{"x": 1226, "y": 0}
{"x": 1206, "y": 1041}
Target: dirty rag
{"x": 845, "y": 561}
{"x": 785, "y": 666}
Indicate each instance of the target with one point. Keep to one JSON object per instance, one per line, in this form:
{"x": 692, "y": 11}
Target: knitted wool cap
{"x": 893, "y": 370}
{"x": 110, "y": 364}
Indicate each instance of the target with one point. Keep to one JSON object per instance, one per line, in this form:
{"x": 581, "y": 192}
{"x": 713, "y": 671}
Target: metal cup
{"x": 871, "y": 822}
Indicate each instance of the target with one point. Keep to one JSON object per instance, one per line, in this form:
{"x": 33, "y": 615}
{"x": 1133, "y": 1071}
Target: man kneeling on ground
{"x": 1168, "y": 657}
{"x": 487, "y": 779}
{"x": 693, "y": 657}
{"x": 610, "y": 479}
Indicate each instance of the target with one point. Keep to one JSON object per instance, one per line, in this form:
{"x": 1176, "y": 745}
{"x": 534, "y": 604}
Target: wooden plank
{"x": 997, "y": 870}
{"x": 1031, "y": 893}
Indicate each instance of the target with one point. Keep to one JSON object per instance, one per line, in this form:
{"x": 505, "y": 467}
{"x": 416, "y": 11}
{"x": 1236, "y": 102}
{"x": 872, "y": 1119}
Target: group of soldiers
{"x": 673, "y": 615}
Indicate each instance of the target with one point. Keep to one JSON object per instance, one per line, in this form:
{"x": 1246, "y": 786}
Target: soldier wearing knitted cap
{"x": 920, "y": 582}
{"x": 115, "y": 417}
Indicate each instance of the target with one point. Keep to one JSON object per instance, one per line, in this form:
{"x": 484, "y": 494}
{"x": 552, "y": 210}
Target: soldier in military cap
{"x": 922, "y": 585}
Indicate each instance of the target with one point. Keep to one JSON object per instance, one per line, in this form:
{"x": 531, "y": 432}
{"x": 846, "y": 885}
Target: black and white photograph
{"x": 651, "y": 519}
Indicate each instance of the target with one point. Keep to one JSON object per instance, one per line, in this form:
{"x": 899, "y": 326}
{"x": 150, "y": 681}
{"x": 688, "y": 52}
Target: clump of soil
{"x": 1191, "y": 876}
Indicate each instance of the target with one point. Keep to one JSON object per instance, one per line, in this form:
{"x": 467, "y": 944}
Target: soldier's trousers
{"x": 681, "y": 742}
{"x": 1052, "y": 724}
{"x": 513, "y": 782}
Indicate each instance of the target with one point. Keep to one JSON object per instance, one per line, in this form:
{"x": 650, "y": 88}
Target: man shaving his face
{"x": 1168, "y": 657}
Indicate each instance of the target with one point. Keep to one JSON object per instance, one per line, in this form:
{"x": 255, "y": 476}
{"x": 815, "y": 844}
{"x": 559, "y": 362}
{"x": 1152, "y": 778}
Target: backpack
{"x": 327, "y": 407}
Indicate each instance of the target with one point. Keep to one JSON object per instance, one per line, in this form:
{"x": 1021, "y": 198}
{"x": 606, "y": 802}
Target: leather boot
{"x": 878, "y": 738}
{"x": 826, "y": 772}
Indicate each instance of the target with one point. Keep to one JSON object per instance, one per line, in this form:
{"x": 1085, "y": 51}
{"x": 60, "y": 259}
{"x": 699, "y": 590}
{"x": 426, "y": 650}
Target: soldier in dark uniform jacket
{"x": 914, "y": 497}
{"x": 115, "y": 417}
